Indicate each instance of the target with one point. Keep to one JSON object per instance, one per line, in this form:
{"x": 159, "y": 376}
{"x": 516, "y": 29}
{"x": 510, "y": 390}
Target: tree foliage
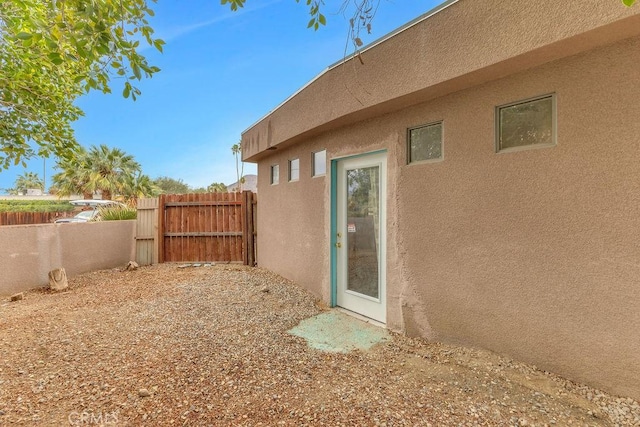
{"x": 110, "y": 171}
{"x": 169, "y": 185}
{"x": 360, "y": 14}
{"x": 53, "y": 51}
{"x": 27, "y": 181}
{"x": 217, "y": 187}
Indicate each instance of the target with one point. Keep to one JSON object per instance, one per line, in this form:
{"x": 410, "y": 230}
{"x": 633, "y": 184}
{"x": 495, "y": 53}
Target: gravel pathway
{"x": 164, "y": 346}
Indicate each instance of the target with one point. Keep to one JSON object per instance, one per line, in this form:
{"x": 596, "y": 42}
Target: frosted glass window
{"x": 528, "y": 123}
{"x": 294, "y": 170}
{"x": 425, "y": 143}
{"x": 320, "y": 163}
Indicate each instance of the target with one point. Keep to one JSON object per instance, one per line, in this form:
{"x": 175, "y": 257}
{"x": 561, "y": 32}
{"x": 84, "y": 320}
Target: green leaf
{"x": 136, "y": 70}
{"x": 322, "y": 19}
{"x": 158, "y": 43}
{"x": 24, "y": 36}
{"x": 55, "y": 58}
{"x": 629, "y": 2}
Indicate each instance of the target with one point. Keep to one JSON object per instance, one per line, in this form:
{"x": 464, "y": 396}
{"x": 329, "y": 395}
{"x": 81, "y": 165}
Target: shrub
{"x": 118, "y": 213}
{"x": 35, "y": 206}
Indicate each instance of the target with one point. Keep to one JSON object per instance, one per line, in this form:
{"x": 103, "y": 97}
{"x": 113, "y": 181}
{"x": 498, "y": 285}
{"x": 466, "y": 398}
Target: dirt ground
{"x": 169, "y": 346}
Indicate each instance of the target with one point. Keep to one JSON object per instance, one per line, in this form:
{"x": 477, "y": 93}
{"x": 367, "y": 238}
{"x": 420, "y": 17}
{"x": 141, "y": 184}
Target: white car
{"x": 88, "y": 215}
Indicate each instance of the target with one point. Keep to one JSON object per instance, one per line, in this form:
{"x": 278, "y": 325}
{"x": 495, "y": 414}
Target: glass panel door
{"x": 360, "y": 235}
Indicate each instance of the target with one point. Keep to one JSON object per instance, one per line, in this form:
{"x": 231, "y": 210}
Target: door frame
{"x": 334, "y": 220}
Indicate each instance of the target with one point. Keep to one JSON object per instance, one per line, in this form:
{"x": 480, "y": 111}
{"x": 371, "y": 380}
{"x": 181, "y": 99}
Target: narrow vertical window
{"x": 275, "y": 174}
{"x": 425, "y": 143}
{"x": 319, "y": 161}
{"x": 526, "y": 124}
{"x": 294, "y": 169}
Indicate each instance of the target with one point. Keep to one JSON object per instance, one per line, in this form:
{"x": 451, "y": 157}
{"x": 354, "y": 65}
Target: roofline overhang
{"x": 399, "y": 70}
{"x": 354, "y": 55}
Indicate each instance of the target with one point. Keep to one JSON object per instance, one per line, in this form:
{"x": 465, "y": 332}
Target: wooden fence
{"x": 210, "y": 227}
{"x": 19, "y": 218}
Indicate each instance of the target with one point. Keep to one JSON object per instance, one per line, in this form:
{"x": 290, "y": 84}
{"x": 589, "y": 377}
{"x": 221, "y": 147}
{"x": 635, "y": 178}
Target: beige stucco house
{"x": 476, "y": 180}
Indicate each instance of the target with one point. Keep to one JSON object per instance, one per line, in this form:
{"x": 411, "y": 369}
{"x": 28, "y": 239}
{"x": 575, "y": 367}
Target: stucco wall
{"x": 532, "y": 254}
{"x": 29, "y": 252}
{"x": 293, "y": 236}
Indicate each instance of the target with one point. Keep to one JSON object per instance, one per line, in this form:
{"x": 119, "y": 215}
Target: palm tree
{"x": 217, "y": 187}
{"x": 236, "y": 149}
{"x": 110, "y": 170}
{"x": 73, "y": 176}
{"x": 26, "y": 181}
{"x": 140, "y": 185}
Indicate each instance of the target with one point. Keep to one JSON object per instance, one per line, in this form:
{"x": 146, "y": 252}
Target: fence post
{"x": 245, "y": 236}
{"x": 161, "y": 202}
{"x": 247, "y": 229}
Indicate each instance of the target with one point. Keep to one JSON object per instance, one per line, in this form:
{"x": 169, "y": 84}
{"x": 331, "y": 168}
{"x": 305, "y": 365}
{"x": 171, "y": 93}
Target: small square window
{"x": 319, "y": 161}
{"x": 529, "y": 123}
{"x": 294, "y": 169}
{"x": 275, "y": 174}
{"x": 425, "y": 143}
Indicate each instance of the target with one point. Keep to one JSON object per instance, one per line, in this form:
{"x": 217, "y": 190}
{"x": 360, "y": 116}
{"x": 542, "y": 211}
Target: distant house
{"x": 250, "y": 184}
{"x": 475, "y": 180}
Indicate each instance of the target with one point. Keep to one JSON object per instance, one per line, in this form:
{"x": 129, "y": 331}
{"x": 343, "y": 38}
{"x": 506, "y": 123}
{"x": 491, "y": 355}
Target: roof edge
{"x": 353, "y": 55}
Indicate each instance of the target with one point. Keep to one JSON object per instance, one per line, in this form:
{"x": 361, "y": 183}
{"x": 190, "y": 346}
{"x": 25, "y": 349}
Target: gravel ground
{"x": 163, "y": 346}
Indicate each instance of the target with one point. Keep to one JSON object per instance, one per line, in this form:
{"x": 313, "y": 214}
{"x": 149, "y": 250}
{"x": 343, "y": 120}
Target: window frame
{"x": 313, "y": 163}
{"x": 290, "y": 162}
{"x": 408, "y": 143}
{"x": 554, "y": 124}
{"x": 271, "y": 176}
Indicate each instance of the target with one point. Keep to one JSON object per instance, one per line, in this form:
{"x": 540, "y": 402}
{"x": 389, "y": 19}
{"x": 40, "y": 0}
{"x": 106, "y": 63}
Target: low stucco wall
{"x": 532, "y": 254}
{"x": 29, "y": 252}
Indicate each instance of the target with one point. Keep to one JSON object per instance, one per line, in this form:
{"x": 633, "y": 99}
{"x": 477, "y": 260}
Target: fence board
{"x": 146, "y": 232}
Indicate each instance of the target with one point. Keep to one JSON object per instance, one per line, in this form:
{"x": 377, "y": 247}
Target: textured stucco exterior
{"x": 29, "y": 252}
{"x": 532, "y": 253}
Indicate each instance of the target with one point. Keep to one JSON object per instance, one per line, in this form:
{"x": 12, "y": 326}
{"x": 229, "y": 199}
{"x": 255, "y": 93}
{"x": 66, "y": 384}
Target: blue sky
{"x": 221, "y": 72}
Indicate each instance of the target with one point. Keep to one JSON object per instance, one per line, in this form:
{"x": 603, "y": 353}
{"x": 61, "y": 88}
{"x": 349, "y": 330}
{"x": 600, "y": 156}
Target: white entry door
{"x": 361, "y": 235}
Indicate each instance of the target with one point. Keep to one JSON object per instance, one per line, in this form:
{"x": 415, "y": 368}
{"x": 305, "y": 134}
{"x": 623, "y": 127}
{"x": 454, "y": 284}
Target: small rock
{"x": 17, "y": 297}
{"x": 131, "y": 266}
{"x": 184, "y": 266}
{"x": 143, "y": 392}
{"x": 58, "y": 280}
{"x": 265, "y": 289}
